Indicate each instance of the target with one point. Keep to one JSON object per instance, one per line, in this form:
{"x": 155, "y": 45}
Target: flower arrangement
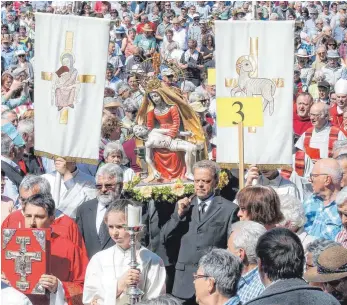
{"x": 166, "y": 193}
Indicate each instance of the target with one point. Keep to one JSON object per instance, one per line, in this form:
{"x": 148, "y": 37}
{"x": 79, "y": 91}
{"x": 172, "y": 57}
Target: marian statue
{"x": 171, "y": 131}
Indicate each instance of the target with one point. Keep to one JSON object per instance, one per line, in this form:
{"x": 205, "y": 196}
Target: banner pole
{"x": 57, "y": 184}
{"x": 241, "y": 156}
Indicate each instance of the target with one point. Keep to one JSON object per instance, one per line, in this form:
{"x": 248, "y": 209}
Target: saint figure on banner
{"x": 65, "y": 83}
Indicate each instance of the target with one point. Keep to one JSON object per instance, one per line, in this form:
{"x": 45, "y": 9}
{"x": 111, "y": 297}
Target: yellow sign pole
{"x": 241, "y": 157}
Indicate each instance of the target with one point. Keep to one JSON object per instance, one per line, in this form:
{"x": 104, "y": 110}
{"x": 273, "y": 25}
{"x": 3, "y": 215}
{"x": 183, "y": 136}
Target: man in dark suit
{"x": 201, "y": 222}
{"x": 90, "y": 215}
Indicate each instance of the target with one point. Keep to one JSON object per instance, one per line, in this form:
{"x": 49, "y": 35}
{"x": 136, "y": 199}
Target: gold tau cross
{"x": 23, "y": 261}
{"x": 66, "y": 81}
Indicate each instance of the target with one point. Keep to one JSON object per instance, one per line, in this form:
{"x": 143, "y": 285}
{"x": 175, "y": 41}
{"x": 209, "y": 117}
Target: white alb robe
{"x": 73, "y": 193}
{"x": 320, "y": 140}
{"x": 107, "y": 266}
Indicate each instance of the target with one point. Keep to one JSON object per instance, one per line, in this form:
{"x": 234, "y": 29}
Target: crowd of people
{"x": 282, "y": 239}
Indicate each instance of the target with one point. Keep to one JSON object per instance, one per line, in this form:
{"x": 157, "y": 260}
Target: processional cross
{"x": 23, "y": 261}
{"x": 66, "y": 81}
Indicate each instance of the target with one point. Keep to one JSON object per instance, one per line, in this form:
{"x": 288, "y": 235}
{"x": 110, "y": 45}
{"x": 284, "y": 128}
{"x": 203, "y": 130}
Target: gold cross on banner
{"x": 66, "y": 81}
{"x": 23, "y": 261}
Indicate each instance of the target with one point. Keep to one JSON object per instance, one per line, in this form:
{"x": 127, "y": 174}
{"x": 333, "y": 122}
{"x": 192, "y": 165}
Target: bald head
{"x": 330, "y": 168}
{"x": 319, "y": 115}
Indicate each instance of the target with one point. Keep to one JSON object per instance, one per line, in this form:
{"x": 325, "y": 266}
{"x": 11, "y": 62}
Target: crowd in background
{"x": 174, "y": 40}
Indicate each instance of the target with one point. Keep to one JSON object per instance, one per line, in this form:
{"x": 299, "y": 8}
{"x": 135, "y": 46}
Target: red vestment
{"x": 68, "y": 264}
{"x": 335, "y": 117}
{"x": 300, "y": 125}
{"x": 170, "y": 164}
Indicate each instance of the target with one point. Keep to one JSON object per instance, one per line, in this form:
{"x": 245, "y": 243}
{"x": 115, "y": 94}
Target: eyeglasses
{"x": 22, "y": 55}
{"x": 199, "y": 276}
{"x": 316, "y": 175}
{"x": 109, "y": 187}
{"x": 314, "y": 115}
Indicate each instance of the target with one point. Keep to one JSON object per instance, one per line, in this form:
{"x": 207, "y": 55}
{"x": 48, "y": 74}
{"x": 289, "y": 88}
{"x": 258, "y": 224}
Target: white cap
{"x": 341, "y": 86}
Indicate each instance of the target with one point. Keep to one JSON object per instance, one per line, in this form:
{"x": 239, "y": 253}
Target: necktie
{"x": 203, "y": 206}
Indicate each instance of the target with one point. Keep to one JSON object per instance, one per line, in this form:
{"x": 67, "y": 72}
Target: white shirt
{"x": 74, "y": 192}
{"x": 320, "y": 140}
{"x": 100, "y": 213}
{"x": 108, "y": 266}
{"x": 181, "y": 37}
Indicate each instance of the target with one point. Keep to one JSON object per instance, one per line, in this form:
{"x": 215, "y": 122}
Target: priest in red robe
{"x": 68, "y": 262}
{"x": 301, "y": 118}
{"x": 336, "y": 111}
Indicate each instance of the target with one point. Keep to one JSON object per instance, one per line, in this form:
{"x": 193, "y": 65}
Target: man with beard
{"x": 109, "y": 183}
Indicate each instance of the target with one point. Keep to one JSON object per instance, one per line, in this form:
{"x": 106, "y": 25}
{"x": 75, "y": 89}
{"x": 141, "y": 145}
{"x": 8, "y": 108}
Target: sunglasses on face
{"x": 22, "y": 55}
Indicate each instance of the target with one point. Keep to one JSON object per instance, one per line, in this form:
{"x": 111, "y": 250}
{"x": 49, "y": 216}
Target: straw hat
{"x": 302, "y": 53}
{"x": 331, "y": 266}
{"x": 167, "y": 72}
{"x": 333, "y": 54}
{"x": 147, "y": 28}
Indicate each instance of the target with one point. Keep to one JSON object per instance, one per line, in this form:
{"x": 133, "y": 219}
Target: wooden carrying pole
{"x": 241, "y": 157}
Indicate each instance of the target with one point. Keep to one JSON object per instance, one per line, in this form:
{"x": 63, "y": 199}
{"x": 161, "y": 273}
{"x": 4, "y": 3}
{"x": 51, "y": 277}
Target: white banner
{"x": 70, "y": 66}
{"x": 256, "y": 58}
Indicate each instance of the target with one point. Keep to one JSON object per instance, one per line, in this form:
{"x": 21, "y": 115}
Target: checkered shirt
{"x": 250, "y": 286}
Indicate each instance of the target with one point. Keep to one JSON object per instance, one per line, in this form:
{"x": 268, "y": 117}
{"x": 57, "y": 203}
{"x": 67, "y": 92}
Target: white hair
{"x": 246, "y": 235}
{"x": 341, "y": 198}
{"x": 30, "y": 181}
{"x": 273, "y": 16}
{"x": 111, "y": 170}
{"x": 26, "y": 126}
{"x": 336, "y": 174}
{"x": 292, "y": 210}
{"x": 115, "y": 147}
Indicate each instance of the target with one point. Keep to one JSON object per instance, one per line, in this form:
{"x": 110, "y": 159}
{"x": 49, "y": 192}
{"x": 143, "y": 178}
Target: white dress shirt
{"x": 208, "y": 202}
{"x": 100, "y": 213}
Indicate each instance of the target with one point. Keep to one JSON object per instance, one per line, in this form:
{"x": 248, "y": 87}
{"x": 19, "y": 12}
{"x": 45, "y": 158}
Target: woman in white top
{"x": 114, "y": 153}
{"x": 108, "y": 273}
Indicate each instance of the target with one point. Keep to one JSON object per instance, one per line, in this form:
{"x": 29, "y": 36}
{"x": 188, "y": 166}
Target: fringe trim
{"x": 69, "y": 159}
{"x": 260, "y": 166}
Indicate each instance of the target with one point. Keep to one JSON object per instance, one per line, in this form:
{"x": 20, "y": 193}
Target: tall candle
{"x": 134, "y": 215}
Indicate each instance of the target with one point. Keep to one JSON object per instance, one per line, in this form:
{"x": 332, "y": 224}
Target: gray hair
{"x": 246, "y": 235}
{"x": 292, "y": 210}
{"x": 341, "y": 198}
{"x": 111, "y": 170}
{"x": 166, "y": 299}
{"x": 115, "y": 147}
{"x": 130, "y": 105}
{"x": 6, "y": 144}
{"x": 336, "y": 174}
{"x": 30, "y": 181}
{"x": 26, "y": 126}
{"x": 188, "y": 86}
{"x": 318, "y": 246}
{"x": 6, "y": 112}
{"x": 273, "y": 16}
{"x": 212, "y": 166}
{"x": 225, "y": 268}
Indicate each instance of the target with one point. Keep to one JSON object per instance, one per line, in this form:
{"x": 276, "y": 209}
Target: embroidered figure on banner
{"x": 66, "y": 81}
{"x": 249, "y": 84}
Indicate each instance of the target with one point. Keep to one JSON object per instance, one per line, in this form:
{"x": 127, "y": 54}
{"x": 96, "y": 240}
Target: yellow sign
{"x": 211, "y": 77}
{"x": 233, "y": 110}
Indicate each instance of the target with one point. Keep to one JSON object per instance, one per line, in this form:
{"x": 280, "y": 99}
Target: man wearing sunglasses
{"x": 90, "y": 215}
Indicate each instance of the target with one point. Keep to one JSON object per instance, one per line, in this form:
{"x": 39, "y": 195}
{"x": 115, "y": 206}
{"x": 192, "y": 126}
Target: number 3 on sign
{"x": 233, "y": 110}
